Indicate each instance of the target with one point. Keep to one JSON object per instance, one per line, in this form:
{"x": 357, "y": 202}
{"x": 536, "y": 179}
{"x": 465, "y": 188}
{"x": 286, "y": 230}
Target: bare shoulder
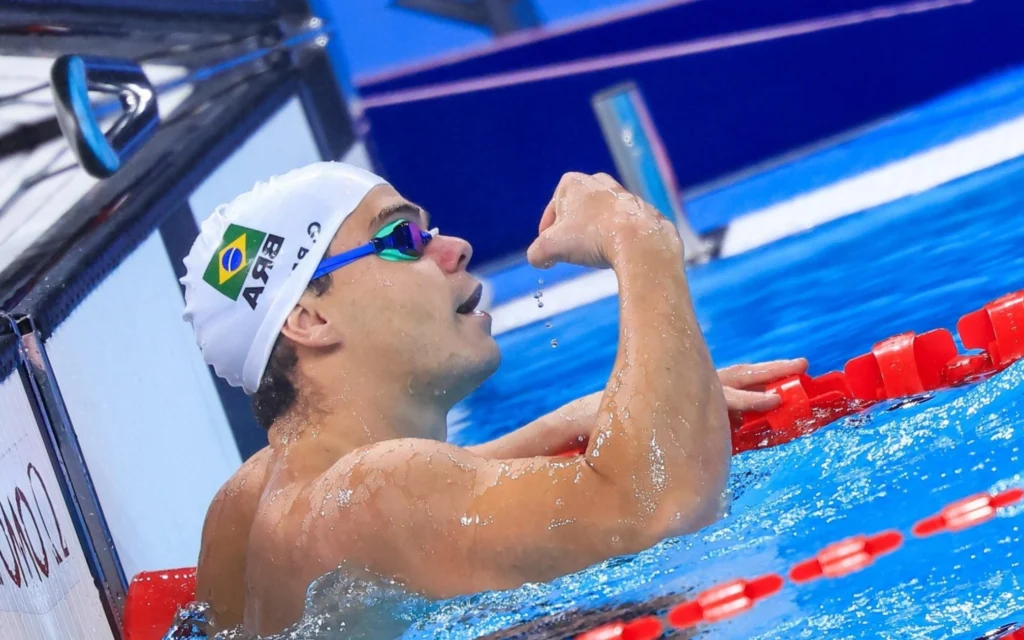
{"x": 222, "y": 556}
{"x": 403, "y": 455}
{"x": 409, "y": 467}
{"x": 389, "y": 485}
{"x": 239, "y": 497}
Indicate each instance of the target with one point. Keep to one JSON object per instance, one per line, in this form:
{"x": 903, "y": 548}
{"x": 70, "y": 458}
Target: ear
{"x": 305, "y": 325}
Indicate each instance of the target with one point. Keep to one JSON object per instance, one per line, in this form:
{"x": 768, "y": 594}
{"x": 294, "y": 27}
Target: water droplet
{"x": 547, "y": 325}
{"x": 554, "y": 343}
{"x": 540, "y": 304}
{"x": 540, "y": 281}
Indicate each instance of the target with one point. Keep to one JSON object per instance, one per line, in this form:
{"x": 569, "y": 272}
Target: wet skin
{"x": 358, "y": 475}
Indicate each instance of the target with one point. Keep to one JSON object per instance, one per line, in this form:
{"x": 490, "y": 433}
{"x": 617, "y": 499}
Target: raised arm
{"x": 658, "y": 456}
{"x": 662, "y": 435}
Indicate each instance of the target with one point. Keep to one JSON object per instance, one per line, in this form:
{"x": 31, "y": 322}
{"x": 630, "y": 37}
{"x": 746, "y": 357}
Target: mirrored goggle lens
{"x": 418, "y": 239}
{"x": 403, "y": 238}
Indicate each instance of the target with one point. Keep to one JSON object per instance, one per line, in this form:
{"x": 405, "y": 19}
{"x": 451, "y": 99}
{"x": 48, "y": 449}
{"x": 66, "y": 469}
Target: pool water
{"x": 915, "y": 264}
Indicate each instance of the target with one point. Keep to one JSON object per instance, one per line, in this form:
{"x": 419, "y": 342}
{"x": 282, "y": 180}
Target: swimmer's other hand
{"x": 592, "y": 218}
{"x": 744, "y": 384}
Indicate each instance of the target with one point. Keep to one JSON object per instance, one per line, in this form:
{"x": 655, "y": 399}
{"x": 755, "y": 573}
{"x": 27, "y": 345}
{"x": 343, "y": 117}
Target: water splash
{"x": 339, "y": 607}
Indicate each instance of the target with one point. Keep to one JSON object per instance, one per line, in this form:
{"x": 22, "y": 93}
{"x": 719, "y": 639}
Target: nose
{"x": 450, "y": 253}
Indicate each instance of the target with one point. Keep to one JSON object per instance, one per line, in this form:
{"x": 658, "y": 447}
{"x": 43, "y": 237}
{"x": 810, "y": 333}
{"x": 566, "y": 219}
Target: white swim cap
{"x": 254, "y": 257}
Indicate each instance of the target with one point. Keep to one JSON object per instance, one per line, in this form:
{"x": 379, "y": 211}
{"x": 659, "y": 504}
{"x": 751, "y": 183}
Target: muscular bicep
{"x": 445, "y": 521}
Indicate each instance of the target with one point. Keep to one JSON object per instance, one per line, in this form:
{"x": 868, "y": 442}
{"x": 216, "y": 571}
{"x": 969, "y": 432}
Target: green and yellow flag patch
{"x": 229, "y": 265}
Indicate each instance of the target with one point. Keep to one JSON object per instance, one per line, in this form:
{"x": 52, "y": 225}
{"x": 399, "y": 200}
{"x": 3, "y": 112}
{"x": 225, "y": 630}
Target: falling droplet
{"x": 540, "y": 281}
{"x": 539, "y": 304}
{"x": 547, "y": 325}
{"x": 554, "y": 344}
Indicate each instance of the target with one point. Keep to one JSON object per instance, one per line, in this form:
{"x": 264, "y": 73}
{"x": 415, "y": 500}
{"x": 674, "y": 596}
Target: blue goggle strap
{"x": 333, "y": 263}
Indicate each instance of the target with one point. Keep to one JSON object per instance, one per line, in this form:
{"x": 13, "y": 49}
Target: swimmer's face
{"x": 408, "y": 321}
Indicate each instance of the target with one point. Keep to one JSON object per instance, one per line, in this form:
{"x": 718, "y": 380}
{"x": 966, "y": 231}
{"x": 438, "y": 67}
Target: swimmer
{"x": 355, "y": 330}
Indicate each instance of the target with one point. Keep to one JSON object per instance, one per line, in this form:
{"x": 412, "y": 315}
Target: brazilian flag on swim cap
{"x": 229, "y": 265}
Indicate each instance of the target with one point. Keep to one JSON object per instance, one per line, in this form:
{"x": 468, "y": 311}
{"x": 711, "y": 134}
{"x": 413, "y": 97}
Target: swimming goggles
{"x": 401, "y": 240}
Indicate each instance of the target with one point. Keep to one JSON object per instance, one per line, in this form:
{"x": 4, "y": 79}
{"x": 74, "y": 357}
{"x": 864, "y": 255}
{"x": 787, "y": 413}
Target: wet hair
{"x": 277, "y": 393}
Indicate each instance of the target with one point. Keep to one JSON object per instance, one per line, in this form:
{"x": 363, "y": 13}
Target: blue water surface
{"x": 915, "y": 264}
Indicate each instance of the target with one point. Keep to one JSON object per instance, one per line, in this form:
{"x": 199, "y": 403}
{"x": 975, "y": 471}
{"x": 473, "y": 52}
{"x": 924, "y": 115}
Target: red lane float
{"x": 845, "y": 557}
{"x": 997, "y": 328}
{"x": 807, "y": 405}
{"x": 960, "y": 368}
{"x": 967, "y": 513}
{"x": 154, "y": 598}
{"x": 1016, "y": 634}
{"x": 724, "y": 601}
{"x": 836, "y": 560}
{"x": 646, "y": 628}
{"x": 902, "y": 365}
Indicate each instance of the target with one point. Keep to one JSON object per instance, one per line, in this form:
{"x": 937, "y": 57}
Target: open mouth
{"x": 469, "y": 306}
